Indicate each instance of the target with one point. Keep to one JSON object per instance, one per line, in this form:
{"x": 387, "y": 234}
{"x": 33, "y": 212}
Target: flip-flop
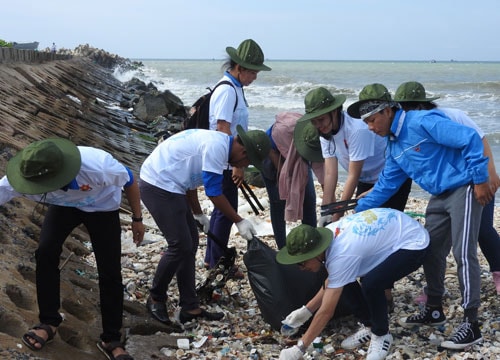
{"x": 107, "y": 350}
{"x": 32, "y": 335}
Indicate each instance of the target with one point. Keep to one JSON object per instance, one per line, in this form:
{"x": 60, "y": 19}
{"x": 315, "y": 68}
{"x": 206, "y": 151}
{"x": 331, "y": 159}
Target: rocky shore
{"x": 78, "y": 98}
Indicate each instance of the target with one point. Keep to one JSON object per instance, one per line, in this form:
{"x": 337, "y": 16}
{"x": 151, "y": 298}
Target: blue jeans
{"x": 488, "y": 239}
{"x": 367, "y": 300}
{"x": 277, "y": 207}
{"x": 220, "y": 225}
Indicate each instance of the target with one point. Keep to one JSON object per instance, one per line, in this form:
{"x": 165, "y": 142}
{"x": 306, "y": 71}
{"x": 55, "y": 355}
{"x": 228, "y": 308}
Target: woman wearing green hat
{"x": 288, "y": 173}
{"x": 242, "y": 67}
{"x": 381, "y": 246}
{"x": 411, "y": 96}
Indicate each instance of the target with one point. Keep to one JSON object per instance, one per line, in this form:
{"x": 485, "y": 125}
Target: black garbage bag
{"x": 279, "y": 289}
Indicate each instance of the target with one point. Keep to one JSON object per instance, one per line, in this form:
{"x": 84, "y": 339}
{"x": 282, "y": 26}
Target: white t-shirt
{"x": 176, "y": 165}
{"x": 98, "y": 185}
{"x": 365, "y": 239}
{"x": 462, "y": 118}
{"x": 222, "y": 106}
{"x": 355, "y": 142}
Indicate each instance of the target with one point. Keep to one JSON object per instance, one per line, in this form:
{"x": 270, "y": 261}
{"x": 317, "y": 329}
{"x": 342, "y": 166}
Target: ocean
{"x": 473, "y": 87}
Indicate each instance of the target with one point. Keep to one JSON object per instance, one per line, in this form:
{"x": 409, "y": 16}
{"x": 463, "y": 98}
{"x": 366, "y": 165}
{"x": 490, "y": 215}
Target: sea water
{"x": 473, "y": 87}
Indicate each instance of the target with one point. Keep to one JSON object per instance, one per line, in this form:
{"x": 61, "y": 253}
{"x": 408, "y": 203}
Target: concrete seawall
{"x": 11, "y": 55}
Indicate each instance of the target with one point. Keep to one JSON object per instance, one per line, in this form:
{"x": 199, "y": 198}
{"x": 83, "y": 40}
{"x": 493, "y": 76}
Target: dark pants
{"x": 396, "y": 201}
{"x": 367, "y": 301}
{"x": 488, "y": 239}
{"x": 220, "y": 225}
{"x": 105, "y": 234}
{"x": 277, "y": 208}
{"x": 174, "y": 218}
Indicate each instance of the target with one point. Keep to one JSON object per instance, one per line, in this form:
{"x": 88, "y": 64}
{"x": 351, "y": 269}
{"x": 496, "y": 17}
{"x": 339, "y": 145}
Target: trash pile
{"x": 243, "y": 333}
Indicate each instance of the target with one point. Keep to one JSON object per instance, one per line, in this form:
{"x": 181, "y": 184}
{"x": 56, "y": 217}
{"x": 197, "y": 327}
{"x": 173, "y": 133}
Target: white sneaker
{"x": 360, "y": 337}
{"x": 379, "y": 347}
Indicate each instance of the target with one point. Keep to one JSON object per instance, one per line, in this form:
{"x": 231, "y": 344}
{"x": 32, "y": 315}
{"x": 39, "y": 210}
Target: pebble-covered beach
{"x": 243, "y": 334}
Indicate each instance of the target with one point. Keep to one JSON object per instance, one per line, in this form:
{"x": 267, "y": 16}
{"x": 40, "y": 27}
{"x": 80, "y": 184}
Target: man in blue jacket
{"x": 446, "y": 159}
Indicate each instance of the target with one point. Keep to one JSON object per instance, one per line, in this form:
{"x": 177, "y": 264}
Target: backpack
{"x": 199, "y": 112}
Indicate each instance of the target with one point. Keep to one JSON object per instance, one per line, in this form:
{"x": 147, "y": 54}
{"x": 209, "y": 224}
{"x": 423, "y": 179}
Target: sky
{"x": 462, "y": 30}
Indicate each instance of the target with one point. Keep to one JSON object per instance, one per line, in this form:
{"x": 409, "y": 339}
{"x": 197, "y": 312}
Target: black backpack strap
{"x": 226, "y": 82}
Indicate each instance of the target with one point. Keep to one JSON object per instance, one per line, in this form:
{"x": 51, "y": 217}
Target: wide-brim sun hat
{"x": 320, "y": 101}
{"x": 412, "y": 91}
{"x": 248, "y": 55}
{"x": 44, "y": 166}
{"x": 257, "y": 145}
{"x": 304, "y": 242}
{"x": 372, "y": 92}
{"x": 306, "y": 140}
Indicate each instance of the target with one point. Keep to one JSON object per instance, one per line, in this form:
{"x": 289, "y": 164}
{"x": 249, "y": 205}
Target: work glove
{"x": 204, "y": 221}
{"x": 325, "y": 220}
{"x": 246, "y": 229}
{"x": 297, "y": 317}
{"x": 292, "y": 353}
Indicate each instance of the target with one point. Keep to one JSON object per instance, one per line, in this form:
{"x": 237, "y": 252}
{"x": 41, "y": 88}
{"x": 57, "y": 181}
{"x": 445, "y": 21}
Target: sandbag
{"x": 279, "y": 289}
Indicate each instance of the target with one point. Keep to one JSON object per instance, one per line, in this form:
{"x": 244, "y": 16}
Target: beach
{"x": 243, "y": 330}
{"x": 78, "y": 99}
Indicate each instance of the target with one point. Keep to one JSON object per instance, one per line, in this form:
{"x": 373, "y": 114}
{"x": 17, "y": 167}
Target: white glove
{"x": 204, "y": 221}
{"x": 246, "y": 229}
{"x": 297, "y": 317}
{"x": 292, "y": 353}
{"x": 325, "y": 220}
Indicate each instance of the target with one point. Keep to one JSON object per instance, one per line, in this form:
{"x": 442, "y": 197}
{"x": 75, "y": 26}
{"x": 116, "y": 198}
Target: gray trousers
{"x": 453, "y": 221}
{"x": 174, "y": 218}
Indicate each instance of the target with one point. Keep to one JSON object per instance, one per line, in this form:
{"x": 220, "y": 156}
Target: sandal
{"x": 107, "y": 350}
{"x": 39, "y": 340}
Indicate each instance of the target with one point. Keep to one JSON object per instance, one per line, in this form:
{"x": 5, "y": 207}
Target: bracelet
{"x": 137, "y": 219}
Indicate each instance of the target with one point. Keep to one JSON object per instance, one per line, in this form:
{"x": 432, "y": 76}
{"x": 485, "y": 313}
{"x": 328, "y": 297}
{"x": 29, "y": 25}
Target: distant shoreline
{"x": 434, "y": 61}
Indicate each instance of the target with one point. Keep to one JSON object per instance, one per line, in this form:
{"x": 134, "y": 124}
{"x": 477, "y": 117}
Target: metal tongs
{"x": 246, "y": 189}
{"x": 339, "y": 206}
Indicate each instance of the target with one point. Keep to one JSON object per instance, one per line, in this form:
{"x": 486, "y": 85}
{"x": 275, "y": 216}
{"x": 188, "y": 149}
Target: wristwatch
{"x": 301, "y": 346}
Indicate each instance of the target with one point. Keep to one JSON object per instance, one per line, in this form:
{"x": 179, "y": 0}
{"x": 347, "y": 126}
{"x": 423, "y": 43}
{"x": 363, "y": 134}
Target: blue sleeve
{"x": 458, "y": 136}
{"x": 390, "y": 180}
{"x": 269, "y": 133}
{"x": 131, "y": 175}
{"x": 212, "y": 183}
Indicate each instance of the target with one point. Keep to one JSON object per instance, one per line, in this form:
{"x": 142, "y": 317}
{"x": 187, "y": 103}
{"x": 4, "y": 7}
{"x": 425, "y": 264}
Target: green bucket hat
{"x": 306, "y": 140}
{"x": 412, "y": 91}
{"x": 257, "y": 145}
{"x": 44, "y": 166}
{"x": 303, "y": 243}
{"x": 372, "y": 92}
{"x": 320, "y": 101}
{"x": 249, "y": 55}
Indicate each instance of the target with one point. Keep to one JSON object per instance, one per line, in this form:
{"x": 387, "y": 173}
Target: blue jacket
{"x": 437, "y": 153}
